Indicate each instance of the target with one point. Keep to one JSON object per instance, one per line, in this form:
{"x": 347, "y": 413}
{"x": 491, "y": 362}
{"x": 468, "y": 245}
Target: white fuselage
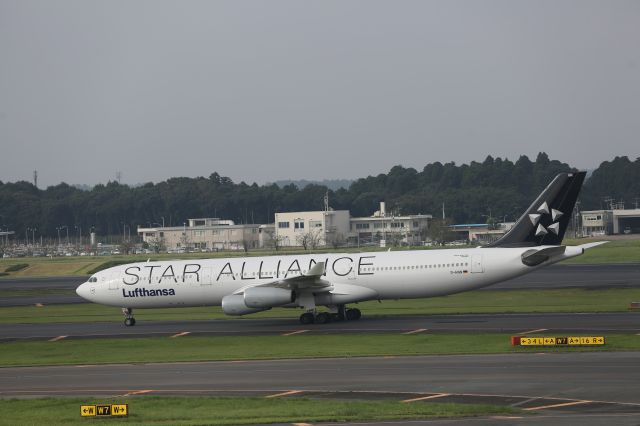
{"x": 379, "y": 275}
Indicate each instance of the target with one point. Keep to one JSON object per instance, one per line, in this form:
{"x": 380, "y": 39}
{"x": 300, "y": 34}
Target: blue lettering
{"x": 143, "y": 292}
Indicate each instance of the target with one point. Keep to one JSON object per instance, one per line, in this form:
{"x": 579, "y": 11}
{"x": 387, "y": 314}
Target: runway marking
{"x": 506, "y": 417}
{"x": 301, "y": 424}
{"x": 140, "y": 392}
{"x": 276, "y": 395}
{"x": 534, "y": 331}
{"x": 439, "y": 395}
{"x": 39, "y": 305}
{"x": 184, "y": 333}
{"x": 55, "y": 339}
{"x": 566, "y": 404}
{"x": 419, "y": 330}
{"x": 295, "y": 332}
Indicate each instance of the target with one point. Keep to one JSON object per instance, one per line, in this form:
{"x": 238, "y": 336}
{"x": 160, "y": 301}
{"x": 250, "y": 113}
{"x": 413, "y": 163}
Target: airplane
{"x": 246, "y": 285}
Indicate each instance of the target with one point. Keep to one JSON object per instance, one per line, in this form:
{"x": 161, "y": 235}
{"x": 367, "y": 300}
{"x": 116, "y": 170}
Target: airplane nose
{"x": 83, "y": 291}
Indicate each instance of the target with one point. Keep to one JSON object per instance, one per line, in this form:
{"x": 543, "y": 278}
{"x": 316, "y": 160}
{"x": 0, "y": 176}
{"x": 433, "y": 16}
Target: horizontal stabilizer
{"x": 535, "y": 257}
{"x": 591, "y": 245}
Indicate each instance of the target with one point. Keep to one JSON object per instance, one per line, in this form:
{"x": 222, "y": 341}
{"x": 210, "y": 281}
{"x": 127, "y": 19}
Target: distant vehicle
{"x": 244, "y": 285}
{"x": 627, "y": 230}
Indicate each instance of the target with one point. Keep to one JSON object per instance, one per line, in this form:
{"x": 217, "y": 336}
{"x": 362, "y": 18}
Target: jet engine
{"x": 267, "y": 297}
{"x": 233, "y": 304}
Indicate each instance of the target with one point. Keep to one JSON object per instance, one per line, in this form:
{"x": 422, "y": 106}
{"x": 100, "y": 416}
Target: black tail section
{"x": 546, "y": 220}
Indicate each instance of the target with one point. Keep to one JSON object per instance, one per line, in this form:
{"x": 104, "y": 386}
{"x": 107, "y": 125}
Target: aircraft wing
{"x": 312, "y": 280}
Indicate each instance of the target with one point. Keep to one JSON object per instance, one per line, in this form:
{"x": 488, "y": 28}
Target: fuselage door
{"x": 113, "y": 280}
{"x": 476, "y": 264}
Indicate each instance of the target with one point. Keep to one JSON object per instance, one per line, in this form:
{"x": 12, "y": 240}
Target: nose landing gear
{"x": 129, "y": 320}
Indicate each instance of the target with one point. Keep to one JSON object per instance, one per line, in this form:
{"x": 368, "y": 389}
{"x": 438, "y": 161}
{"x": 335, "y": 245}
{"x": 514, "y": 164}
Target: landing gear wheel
{"x": 323, "y": 318}
{"x": 353, "y": 314}
{"x": 129, "y": 320}
{"x": 337, "y": 317}
{"x": 307, "y": 318}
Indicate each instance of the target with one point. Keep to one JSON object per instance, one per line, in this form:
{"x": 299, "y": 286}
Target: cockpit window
{"x": 93, "y": 280}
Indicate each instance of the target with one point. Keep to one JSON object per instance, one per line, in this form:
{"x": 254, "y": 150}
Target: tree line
{"x": 495, "y": 189}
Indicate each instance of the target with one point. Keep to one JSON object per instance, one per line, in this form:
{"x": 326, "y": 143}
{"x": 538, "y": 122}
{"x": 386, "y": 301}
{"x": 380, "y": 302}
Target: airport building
{"x": 312, "y": 229}
{"x": 382, "y": 228}
{"x": 337, "y": 227}
{"x": 204, "y": 234}
{"x": 480, "y": 233}
{"x": 608, "y": 222}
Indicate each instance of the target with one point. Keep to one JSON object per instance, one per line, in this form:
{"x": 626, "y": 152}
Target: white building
{"x": 205, "y": 234}
{"x": 607, "y": 222}
{"x": 337, "y": 227}
{"x": 316, "y": 228}
{"x": 383, "y": 228}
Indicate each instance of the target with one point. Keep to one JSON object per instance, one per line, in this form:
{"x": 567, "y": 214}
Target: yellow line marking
{"x": 534, "y": 331}
{"x": 295, "y": 332}
{"x": 419, "y": 330}
{"x": 140, "y": 392}
{"x": 55, "y": 339}
{"x": 566, "y": 404}
{"x": 276, "y": 395}
{"x": 301, "y": 424}
{"x": 184, "y": 333}
{"x": 422, "y": 398}
{"x": 506, "y": 417}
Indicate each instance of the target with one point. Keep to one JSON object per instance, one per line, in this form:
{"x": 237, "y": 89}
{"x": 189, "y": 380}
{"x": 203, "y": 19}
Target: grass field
{"x": 486, "y": 301}
{"x": 152, "y": 410}
{"x": 619, "y": 251}
{"x": 224, "y": 348}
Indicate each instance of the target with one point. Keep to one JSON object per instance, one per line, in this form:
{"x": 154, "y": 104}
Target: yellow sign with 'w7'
{"x": 104, "y": 410}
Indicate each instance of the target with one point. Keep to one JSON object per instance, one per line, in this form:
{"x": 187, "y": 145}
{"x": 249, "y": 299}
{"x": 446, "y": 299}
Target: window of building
{"x": 397, "y": 224}
{"x": 282, "y": 225}
{"x": 362, "y": 226}
{"x": 416, "y": 224}
{"x": 315, "y": 224}
{"x": 299, "y": 224}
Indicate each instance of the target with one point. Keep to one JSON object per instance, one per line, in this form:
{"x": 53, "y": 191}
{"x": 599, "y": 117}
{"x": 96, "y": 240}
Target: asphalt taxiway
{"x": 600, "y": 382}
{"x": 560, "y": 323}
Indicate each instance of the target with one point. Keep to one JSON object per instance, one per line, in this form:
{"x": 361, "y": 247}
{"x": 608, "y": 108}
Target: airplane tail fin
{"x": 546, "y": 220}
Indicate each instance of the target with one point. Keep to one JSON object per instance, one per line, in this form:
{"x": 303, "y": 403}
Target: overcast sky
{"x": 268, "y": 90}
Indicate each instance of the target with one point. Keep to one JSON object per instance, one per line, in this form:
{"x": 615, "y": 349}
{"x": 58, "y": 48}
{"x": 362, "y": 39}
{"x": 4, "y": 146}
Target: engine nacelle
{"x": 267, "y": 297}
{"x": 233, "y": 304}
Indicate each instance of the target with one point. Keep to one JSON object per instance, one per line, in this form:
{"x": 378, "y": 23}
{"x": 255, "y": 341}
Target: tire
{"x": 323, "y": 318}
{"x": 353, "y": 314}
{"x": 306, "y": 318}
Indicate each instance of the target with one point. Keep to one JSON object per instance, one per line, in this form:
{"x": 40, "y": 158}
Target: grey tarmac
{"x": 560, "y": 323}
{"x": 576, "y": 383}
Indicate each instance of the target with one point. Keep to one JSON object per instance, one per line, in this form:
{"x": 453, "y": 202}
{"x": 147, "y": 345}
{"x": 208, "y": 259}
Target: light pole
{"x": 162, "y": 217}
{"x": 79, "y": 228}
{"x": 60, "y": 229}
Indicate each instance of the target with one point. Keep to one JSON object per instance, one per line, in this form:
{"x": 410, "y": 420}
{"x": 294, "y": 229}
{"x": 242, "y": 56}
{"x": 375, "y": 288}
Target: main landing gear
{"x": 340, "y": 314}
{"x": 129, "y": 320}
